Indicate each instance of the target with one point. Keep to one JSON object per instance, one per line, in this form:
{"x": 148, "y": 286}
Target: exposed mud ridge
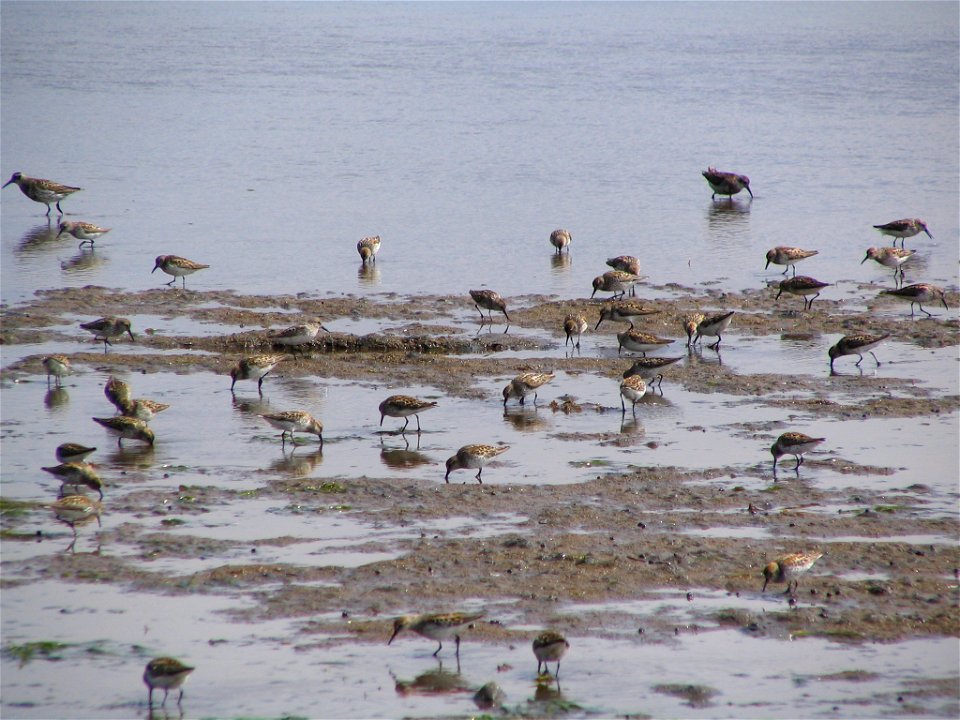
{"x": 639, "y": 534}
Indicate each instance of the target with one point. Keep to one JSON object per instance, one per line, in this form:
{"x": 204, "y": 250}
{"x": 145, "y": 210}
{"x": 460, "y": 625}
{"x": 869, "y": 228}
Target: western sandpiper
{"x": 178, "y": 267}
{"x": 144, "y": 409}
{"x": 549, "y": 646}
{"x": 636, "y": 341}
{"x": 489, "y": 301}
{"x": 76, "y": 474}
{"x": 624, "y": 311}
{"x": 690, "y": 322}
{"x": 561, "y": 239}
{"x": 918, "y": 294}
{"x": 73, "y": 452}
{"x": 254, "y": 367}
{"x": 713, "y": 327}
{"x": 368, "y": 248}
{"x": 788, "y": 569}
{"x": 435, "y": 626}
{"x": 625, "y": 263}
{"x": 56, "y": 365}
{"x": 403, "y": 406}
{"x": 127, "y": 428}
{"x": 291, "y": 421}
{"x": 907, "y": 227}
{"x": 614, "y": 281}
{"x": 108, "y": 327}
{"x": 793, "y": 443}
{"x": 890, "y": 257}
{"x": 802, "y": 285}
{"x": 574, "y": 325}
{"x": 788, "y": 256}
{"x": 76, "y": 510}
{"x": 299, "y": 334}
{"x": 524, "y": 384}
{"x": 118, "y": 393}
{"x": 633, "y": 388}
{"x": 42, "y": 191}
{"x": 726, "y": 183}
{"x": 648, "y": 368}
{"x": 83, "y": 231}
{"x": 473, "y": 456}
{"x": 168, "y": 674}
{"x": 856, "y": 345}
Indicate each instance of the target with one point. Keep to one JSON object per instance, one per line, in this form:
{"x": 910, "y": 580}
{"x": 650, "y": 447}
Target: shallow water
{"x": 463, "y": 134}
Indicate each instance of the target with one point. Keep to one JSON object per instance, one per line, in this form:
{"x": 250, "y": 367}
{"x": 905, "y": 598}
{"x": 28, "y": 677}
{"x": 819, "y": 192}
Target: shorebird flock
{"x": 131, "y": 423}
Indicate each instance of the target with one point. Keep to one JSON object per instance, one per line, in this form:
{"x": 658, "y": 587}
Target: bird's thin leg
{"x": 859, "y": 361}
{"x": 171, "y": 282}
{"x": 406, "y": 421}
{"x": 439, "y": 648}
{"x": 924, "y": 311}
{"x": 418, "y": 422}
{"x": 875, "y": 358}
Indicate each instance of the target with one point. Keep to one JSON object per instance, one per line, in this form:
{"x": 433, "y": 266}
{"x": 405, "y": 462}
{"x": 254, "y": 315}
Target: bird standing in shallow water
{"x": 473, "y": 456}
{"x": 524, "y": 384}
{"x": 890, "y": 257}
{"x": 788, "y": 569}
{"x": 802, "y": 285}
{"x": 726, "y": 183}
{"x": 788, "y": 257}
{"x": 902, "y": 229}
{"x": 489, "y": 301}
{"x": 561, "y": 239}
{"x": 42, "y": 191}
{"x": 435, "y": 626}
{"x": 713, "y": 327}
{"x": 56, "y": 365}
{"x": 178, "y": 267}
{"x": 368, "y": 248}
{"x": 918, "y": 294}
{"x": 574, "y": 325}
{"x": 549, "y": 646}
{"x": 83, "y": 231}
{"x": 254, "y": 367}
{"x": 167, "y": 674}
{"x": 108, "y": 327}
{"x": 293, "y": 420}
{"x": 856, "y": 345}
{"x": 404, "y": 406}
{"x": 793, "y": 443}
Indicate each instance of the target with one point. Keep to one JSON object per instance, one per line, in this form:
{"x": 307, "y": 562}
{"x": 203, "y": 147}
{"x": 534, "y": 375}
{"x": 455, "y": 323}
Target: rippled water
{"x": 265, "y": 140}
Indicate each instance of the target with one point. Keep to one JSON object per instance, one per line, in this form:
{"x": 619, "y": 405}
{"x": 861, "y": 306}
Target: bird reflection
{"x": 433, "y": 682}
{"x": 489, "y": 326}
{"x": 545, "y": 692}
{"x": 524, "y": 419}
{"x": 368, "y": 274}
{"x": 83, "y": 260}
{"x": 560, "y": 263}
{"x": 56, "y": 398}
{"x": 251, "y": 407}
{"x": 297, "y": 465}
{"x": 37, "y": 236}
{"x": 695, "y": 354}
{"x": 403, "y": 458}
{"x": 132, "y": 455}
{"x": 631, "y": 426}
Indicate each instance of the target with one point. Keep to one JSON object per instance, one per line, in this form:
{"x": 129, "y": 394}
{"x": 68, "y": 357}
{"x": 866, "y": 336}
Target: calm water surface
{"x": 265, "y": 140}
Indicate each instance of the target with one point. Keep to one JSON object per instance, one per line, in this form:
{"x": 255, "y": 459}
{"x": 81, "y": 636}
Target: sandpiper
{"x": 489, "y": 301}
{"x": 640, "y": 342}
{"x": 368, "y": 248}
{"x": 42, "y": 191}
{"x": 802, "y": 285}
{"x": 907, "y": 227}
{"x": 561, "y": 239}
{"x": 549, "y": 646}
{"x": 726, "y": 183}
{"x": 178, "y": 267}
{"x": 118, "y": 393}
{"x": 143, "y": 409}
{"x": 73, "y": 452}
{"x": 83, "y": 231}
{"x": 623, "y": 311}
{"x": 403, "y": 406}
{"x": 890, "y": 257}
{"x": 473, "y": 456}
{"x": 690, "y": 323}
{"x": 524, "y": 384}
{"x": 918, "y": 294}
{"x": 856, "y": 345}
{"x": 108, "y": 327}
{"x": 290, "y": 421}
{"x": 633, "y": 388}
{"x": 647, "y": 368}
{"x": 788, "y": 569}
{"x": 299, "y": 334}
{"x": 168, "y": 674}
{"x": 56, "y": 365}
{"x": 574, "y": 325}
{"x": 788, "y": 256}
{"x": 713, "y": 327}
{"x": 614, "y": 281}
{"x": 76, "y": 510}
{"x": 76, "y": 474}
{"x": 127, "y": 428}
{"x": 625, "y": 263}
{"x": 793, "y": 443}
{"x": 254, "y": 367}
{"x": 435, "y": 626}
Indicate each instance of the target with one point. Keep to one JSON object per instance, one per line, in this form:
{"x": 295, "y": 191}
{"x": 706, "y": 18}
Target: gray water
{"x": 265, "y": 140}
